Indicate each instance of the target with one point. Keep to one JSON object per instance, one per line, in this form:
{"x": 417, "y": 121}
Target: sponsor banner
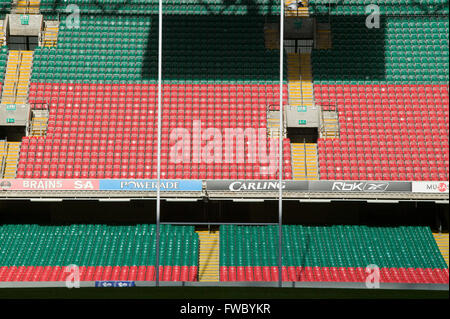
{"x": 256, "y": 186}
{"x": 114, "y": 284}
{"x": 150, "y": 185}
{"x": 49, "y": 184}
{"x": 430, "y": 187}
{"x": 308, "y": 186}
{"x": 359, "y": 186}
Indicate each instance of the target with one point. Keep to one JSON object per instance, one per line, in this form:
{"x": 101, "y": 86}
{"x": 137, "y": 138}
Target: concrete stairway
{"x": 3, "y": 153}
{"x": 304, "y": 161}
{"x": 300, "y": 85}
{"x": 2, "y": 33}
{"x": 442, "y": 242}
{"x": 39, "y": 123}
{"x": 324, "y": 36}
{"x": 271, "y": 36}
{"x": 17, "y": 77}
{"x": 273, "y": 124}
{"x": 302, "y": 11}
{"x": 208, "y": 255}
{"x": 330, "y": 124}
{"x": 26, "y": 6}
{"x": 11, "y": 159}
{"x": 50, "y": 33}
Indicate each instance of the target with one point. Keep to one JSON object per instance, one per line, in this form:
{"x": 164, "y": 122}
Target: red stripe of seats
{"x": 333, "y": 274}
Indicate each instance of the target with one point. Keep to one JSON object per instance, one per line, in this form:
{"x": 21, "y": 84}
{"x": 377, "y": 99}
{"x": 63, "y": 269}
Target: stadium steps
{"x": 17, "y": 77}
{"x": 271, "y": 36}
{"x": 273, "y": 124}
{"x": 442, "y": 242}
{"x": 3, "y": 152}
{"x": 50, "y": 34}
{"x": 330, "y": 124}
{"x": 39, "y": 122}
{"x": 208, "y": 255}
{"x": 323, "y": 36}
{"x": 300, "y": 12}
{"x": 11, "y": 160}
{"x": 2, "y": 33}
{"x": 26, "y": 6}
{"x": 301, "y": 93}
{"x": 304, "y": 161}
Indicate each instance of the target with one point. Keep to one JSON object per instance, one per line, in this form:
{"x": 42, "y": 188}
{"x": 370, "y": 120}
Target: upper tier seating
{"x": 102, "y": 98}
{"x": 334, "y": 253}
{"x": 404, "y": 50}
{"x": 182, "y": 7}
{"x": 196, "y": 50}
{"x": 40, "y": 253}
{"x": 387, "y": 7}
{"x": 390, "y": 89}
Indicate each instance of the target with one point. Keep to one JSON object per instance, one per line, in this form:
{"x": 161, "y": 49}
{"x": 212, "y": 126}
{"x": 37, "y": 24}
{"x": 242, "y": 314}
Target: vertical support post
{"x": 280, "y": 170}
{"x": 158, "y": 188}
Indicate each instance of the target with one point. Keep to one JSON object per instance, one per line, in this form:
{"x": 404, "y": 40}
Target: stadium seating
{"x": 387, "y": 7}
{"x": 183, "y": 7}
{"x": 102, "y": 95}
{"x": 330, "y": 253}
{"x": 390, "y": 89}
{"x": 41, "y": 253}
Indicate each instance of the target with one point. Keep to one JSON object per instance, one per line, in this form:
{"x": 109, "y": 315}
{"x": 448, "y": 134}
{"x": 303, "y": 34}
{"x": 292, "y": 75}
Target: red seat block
{"x": 232, "y": 273}
{"x": 223, "y": 273}
{"x": 193, "y": 272}
{"x": 240, "y": 273}
{"x": 167, "y": 273}
{"x": 249, "y": 273}
{"x": 150, "y": 274}
{"x": 184, "y": 274}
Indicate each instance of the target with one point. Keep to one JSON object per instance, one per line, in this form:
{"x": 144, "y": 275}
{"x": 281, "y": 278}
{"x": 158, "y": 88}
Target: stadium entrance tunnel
{"x": 303, "y": 135}
{"x": 23, "y": 31}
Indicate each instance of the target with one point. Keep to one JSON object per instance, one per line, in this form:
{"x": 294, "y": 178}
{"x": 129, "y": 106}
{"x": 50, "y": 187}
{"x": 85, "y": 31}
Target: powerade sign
{"x": 256, "y": 186}
{"x": 114, "y": 284}
{"x": 359, "y": 186}
{"x": 150, "y": 185}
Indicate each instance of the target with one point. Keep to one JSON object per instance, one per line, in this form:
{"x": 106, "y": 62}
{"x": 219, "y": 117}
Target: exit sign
{"x": 302, "y": 122}
{"x": 11, "y": 107}
{"x": 24, "y": 19}
{"x": 10, "y": 120}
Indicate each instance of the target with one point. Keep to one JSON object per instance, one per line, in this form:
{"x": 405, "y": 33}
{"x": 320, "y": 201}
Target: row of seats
{"x": 250, "y": 97}
{"x": 227, "y": 49}
{"x": 84, "y": 159}
{"x": 330, "y": 253}
{"x": 105, "y": 131}
{"x": 98, "y": 273}
{"x": 368, "y": 56}
{"x": 333, "y": 274}
{"x": 386, "y": 7}
{"x": 170, "y": 7}
{"x": 47, "y": 249}
{"x": 389, "y": 133}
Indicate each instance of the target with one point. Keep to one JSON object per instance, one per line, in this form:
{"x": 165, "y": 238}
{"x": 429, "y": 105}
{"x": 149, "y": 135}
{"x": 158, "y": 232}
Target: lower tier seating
{"x": 332, "y": 253}
{"x": 387, "y": 132}
{"x": 110, "y": 131}
{"x": 42, "y": 253}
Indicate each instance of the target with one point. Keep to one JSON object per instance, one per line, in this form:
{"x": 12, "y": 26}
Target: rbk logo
{"x": 374, "y": 187}
{"x": 359, "y": 187}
